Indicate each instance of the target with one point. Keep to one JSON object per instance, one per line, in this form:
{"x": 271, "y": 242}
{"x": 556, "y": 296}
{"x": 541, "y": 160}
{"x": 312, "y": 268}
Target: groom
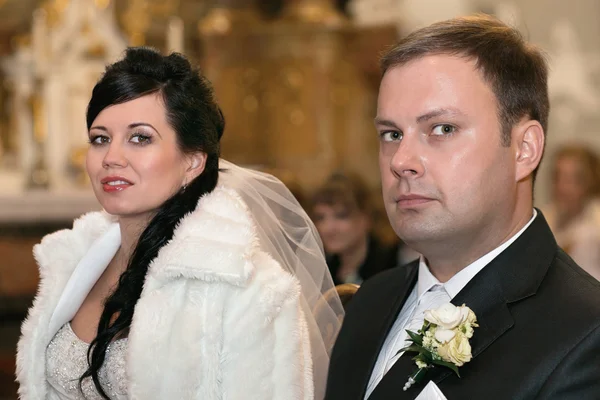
{"x": 461, "y": 119}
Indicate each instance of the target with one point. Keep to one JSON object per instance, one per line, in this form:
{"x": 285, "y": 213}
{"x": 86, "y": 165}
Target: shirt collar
{"x": 426, "y": 279}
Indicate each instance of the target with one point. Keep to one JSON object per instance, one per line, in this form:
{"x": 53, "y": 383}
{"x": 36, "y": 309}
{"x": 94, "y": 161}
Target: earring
{"x": 183, "y": 188}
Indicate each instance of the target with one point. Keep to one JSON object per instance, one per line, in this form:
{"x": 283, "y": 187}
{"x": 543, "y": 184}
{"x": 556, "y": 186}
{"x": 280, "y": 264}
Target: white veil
{"x": 289, "y": 236}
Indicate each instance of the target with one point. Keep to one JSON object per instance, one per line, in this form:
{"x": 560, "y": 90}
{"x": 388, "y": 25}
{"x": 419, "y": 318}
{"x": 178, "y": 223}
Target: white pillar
{"x": 175, "y": 35}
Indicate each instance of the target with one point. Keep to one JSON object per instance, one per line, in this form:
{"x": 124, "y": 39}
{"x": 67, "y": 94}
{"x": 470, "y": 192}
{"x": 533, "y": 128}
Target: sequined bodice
{"x": 66, "y": 361}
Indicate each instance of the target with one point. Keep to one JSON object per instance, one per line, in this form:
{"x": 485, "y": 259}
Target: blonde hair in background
{"x": 350, "y": 190}
{"x": 588, "y": 159}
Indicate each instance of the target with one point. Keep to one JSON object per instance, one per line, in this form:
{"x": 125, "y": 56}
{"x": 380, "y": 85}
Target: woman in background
{"x": 574, "y": 214}
{"x": 343, "y": 214}
{"x": 186, "y": 286}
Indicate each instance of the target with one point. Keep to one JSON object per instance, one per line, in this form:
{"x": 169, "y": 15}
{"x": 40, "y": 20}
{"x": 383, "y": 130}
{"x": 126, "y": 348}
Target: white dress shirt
{"x": 397, "y": 336}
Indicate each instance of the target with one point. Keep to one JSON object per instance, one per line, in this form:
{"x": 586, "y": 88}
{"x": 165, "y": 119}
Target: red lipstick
{"x": 112, "y": 184}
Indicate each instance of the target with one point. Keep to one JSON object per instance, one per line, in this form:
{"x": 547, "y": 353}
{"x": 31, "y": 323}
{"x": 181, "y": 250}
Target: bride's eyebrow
{"x": 137, "y": 124}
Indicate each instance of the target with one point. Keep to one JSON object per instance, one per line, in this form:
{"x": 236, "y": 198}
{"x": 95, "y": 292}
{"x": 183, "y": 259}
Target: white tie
{"x": 432, "y": 299}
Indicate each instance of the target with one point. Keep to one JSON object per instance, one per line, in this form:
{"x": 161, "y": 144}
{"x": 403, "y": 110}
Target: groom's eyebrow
{"x": 385, "y": 122}
{"x": 439, "y": 112}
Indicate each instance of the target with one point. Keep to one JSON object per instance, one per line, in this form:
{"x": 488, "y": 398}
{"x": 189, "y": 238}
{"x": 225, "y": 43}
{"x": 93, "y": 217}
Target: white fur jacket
{"x": 217, "y": 318}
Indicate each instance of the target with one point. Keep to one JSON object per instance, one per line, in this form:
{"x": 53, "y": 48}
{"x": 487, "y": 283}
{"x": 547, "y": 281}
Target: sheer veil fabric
{"x": 286, "y": 233}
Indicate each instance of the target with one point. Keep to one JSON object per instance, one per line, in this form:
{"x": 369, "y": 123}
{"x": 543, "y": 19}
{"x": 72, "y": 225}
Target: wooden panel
{"x": 18, "y": 270}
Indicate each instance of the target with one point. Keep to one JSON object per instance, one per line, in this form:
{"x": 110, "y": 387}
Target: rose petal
{"x": 444, "y": 335}
{"x": 431, "y": 317}
{"x": 447, "y": 316}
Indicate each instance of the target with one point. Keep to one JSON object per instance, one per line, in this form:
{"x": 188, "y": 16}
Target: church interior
{"x": 297, "y": 81}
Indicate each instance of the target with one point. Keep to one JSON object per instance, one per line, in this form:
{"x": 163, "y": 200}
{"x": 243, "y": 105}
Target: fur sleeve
{"x": 266, "y": 349}
{"x": 293, "y": 352}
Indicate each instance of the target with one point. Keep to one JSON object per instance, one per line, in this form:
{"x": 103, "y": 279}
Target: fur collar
{"x": 213, "y": 243}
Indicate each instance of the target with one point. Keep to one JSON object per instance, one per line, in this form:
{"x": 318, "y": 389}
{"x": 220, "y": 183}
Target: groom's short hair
{"x": 516, "y": 71}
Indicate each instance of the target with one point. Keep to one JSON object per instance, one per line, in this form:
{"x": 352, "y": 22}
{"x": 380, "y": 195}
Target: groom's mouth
{"x": 412, "y": 201}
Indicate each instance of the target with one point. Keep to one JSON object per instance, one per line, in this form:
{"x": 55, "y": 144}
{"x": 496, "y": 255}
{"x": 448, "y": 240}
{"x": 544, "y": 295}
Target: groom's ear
{"x": 528, "y": 143}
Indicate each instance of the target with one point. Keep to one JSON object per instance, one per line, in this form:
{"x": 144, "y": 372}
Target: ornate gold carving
{"x": 3, "y": 122}
{"x": 139, "y": 14}
{"x": 38, "y": 176}
{"x": 314, "y": 12}
{"x": 136, "y": 20}
{"x": 95, "y": 48}
{"x": 77, "y": 163}
{"x": 306, "y": 105}
{"x": 8, "y": 121}
{"x": 54, "y": 11}
{"x": 221, "y": 20}
{"x": 163, "y": 8}
{"x": 39, "y": 117}
{"x": 21, "y": 41}
{"x": 102, "y": 4}
{"x": 239, "y": 93}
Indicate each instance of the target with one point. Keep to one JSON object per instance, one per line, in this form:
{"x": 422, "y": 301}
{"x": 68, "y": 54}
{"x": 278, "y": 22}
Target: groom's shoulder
{"x": 568, "y": 300}
{"x": 567, "y": 272}
{"x": 572, "y": 285}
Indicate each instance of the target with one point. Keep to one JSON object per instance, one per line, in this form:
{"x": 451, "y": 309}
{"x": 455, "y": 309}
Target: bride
{"x": 199, "y": 280}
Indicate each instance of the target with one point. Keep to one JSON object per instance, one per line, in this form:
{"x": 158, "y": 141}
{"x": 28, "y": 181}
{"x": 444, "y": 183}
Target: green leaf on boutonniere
{"x": 427, "y": 356}
{"x": 426, "y": 326}
{"x": 413, "y": 347}
{"x": 423, "y": 358}
{"x": 415, "y": 337}
{"x": 447, "y": 364}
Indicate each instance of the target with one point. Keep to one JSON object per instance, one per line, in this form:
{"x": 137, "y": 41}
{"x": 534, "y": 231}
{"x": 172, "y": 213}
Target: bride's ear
{"x": 197, "y": 163}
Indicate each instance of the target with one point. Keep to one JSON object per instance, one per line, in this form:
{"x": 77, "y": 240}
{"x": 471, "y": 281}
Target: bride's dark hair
{"x": 198, "y": 122}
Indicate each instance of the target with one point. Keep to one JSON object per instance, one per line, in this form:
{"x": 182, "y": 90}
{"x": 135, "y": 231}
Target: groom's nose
{"x": 407, "y": 161}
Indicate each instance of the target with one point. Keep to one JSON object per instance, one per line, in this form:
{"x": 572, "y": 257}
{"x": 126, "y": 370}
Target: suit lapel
{"x": 372, "y": 331}
{"x": 493, "y": 315}
{"x": 513, "y": 275}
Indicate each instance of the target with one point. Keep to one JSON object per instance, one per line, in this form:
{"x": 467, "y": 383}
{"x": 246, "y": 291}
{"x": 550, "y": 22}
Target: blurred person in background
{"x": 574, "y": 213}
{"x": 343, "y": 214}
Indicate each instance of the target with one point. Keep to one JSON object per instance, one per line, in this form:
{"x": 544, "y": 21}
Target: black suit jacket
{"x": 538, "y": 335}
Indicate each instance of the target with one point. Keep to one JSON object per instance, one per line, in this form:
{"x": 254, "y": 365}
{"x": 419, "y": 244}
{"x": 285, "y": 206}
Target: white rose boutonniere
{"x": 443, "y": 340}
